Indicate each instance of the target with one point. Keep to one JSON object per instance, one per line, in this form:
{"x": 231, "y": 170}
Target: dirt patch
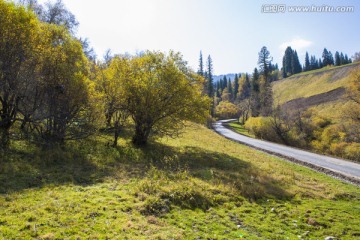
{"x": 303, "y": 103}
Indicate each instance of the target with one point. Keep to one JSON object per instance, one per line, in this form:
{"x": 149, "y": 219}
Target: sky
{"x": 232, "y": 32}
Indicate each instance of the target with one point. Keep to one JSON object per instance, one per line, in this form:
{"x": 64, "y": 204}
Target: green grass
{"x": 239, "y": 128}
{"x": 198, "y": 186}
{"x": 311, "y": 83}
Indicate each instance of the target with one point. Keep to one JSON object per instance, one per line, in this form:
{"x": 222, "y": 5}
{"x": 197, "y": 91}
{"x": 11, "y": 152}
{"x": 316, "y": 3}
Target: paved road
{"x": 342, "y": 167}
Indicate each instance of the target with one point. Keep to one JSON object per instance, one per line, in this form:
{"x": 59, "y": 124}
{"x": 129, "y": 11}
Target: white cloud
{"x": 297, "y": 44}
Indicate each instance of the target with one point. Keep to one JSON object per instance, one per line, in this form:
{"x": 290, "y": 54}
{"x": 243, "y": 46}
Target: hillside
{"x": 198, "y": 186}
{"x": 312, "y": 83}
{"x": 322, "y": 90}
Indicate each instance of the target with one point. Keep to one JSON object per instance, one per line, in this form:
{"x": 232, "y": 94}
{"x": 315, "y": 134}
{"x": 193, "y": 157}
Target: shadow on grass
{"x": 216, "y": 167}
{"x": 89, "y": 162}
{"x": 32, "y": 167}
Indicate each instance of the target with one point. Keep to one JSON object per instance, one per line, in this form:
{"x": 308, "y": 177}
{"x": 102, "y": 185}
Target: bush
{"x": 227, "y": 110}
{"x": 352, "y": 151}
{"x": 262, "y": 128}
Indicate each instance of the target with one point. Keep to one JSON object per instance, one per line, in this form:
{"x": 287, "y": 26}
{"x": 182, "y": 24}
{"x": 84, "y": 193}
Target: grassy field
{"x": 311, "y": 83}
{"x": 237, "y": 127}
{"x": 199, "y": 186}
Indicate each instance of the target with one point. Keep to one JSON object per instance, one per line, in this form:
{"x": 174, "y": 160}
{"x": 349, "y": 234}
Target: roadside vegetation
{"x": 182, "y": 188}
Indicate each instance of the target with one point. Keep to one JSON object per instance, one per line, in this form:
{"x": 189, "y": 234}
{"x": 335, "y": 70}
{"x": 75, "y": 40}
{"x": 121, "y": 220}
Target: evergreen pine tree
{"x": 230, "y": 91}
{"x": 225, "y": 81}
{"x": 201, "y": 65}
{"x": 288, "y": 62}
{"x": 264, "y": 61}
{"x": 307, "y": 62}
{"x": 210, "y": 86}
{"x": 325, "y": 57}
{"x": 331, "y": 58}
{"x": 236, "y": 86}
{"x": 321, "y": 64}
{"x": 337, "y": 59}
{"x": 255, "y": 94}
{"x": 297, "y": 65}
{"x": 342, "y": 59}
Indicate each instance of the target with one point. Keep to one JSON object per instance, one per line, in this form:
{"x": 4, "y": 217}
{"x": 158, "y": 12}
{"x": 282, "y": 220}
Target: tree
{"x": 264, "y": 61}
{"x": 337, "y": 59}
{"x": 201, "y": 65}
{"x": 314, "y": 64}
{"x": 161, "y": 93}
{"x": 236, "y": 86}
{"x": 245, "y": 91}
{"x": 328, "y": 58}
{"x": 331, "y": 58}
{"x": 265, "y": 97}
{"x": 321, "y": 64}
{"x": 346, "y": 59}
{"x": 87, "y": 49}
{"x": 291, "y": 63}
{"x": 255, "y": 94}
{"x": 226, "y": 110}
{"x": 356, "y": 57}
{"x": 287, "y": 62}
{"x": 230, "y": 90}
{"x": 57, "y": 13}
{"x": 296, "y": 66}
{"x": 109, "y": 83}
{"x": 210, "y": 86}
{"x": 307, "y": 62}
{"x": 19, "y": 38}
{"x": 66, "y": 113}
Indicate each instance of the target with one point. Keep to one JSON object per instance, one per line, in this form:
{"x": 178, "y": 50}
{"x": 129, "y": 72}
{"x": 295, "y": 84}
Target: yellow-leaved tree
{"x": 19, "y": 37}
{"x": 160, "y": 93}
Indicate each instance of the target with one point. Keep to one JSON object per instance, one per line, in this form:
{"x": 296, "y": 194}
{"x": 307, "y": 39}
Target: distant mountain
{"x": 229, "y": 75}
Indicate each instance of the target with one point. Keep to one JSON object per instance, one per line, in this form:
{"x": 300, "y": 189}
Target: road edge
{"x": 315, "y": 167}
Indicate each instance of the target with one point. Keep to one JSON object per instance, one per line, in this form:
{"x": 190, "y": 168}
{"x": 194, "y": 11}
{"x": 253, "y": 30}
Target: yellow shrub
{"x": 352, "y": 151}
{"x": 262, "y": 128}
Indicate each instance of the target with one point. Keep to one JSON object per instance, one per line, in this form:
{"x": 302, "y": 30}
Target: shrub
{"x": 352, "y": 151}
{"x": 227, "y": 110}
{"x": 262, "y": 128}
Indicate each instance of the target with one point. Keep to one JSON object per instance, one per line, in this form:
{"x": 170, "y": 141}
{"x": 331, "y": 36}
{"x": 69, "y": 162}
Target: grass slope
{"x": 199, "y": 186}
{"x": 311, "y": 83}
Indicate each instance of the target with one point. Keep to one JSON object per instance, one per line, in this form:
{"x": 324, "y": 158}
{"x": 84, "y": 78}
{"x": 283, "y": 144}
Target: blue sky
{"x": 231, "y": 31}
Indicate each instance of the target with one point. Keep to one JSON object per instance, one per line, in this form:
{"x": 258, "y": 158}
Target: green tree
{"x": 287, "y": 62}
{"x": 161, "y": 93}
{"x": 337, "y": 59}
{"x": 201, "y": 65}
{"x": 296, "y": 66}
{"x": 307, "y": 62}
{"x": 264, "y": 61}
{"x": 236, "y": 86}
{"x": 210, "y": 80}
{"x": 255, "y": 94}
{"x": 291, "y": 63}
{"x": 230, "y": 90}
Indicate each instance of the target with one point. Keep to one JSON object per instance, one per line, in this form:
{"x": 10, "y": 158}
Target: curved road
{"x": 348, "y": 170}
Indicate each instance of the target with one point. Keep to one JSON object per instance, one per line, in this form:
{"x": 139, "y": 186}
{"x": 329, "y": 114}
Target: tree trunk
{"x": 116, "y": 134}
{"x": 141, "y": 136}
{"x": 5, "y": 137}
